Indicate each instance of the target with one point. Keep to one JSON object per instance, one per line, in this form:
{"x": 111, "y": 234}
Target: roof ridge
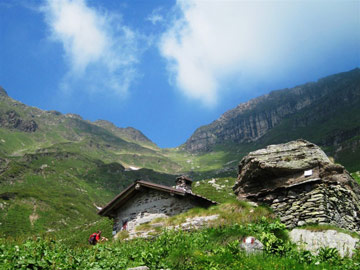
{"x": 132, "y": 189}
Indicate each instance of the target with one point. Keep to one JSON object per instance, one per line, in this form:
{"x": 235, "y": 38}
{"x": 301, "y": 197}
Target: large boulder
{"x": 301, "y": 184}
{"x": 315, "y": 240}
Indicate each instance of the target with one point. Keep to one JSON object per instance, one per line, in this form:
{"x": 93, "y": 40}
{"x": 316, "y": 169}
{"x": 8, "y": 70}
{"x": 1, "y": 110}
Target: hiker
{"x": 94, "y": 238}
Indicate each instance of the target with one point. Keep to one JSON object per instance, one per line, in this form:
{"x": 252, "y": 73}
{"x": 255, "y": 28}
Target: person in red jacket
{"x": 94, "y": 238}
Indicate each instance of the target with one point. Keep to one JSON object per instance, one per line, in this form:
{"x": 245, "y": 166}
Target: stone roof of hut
{"x": 136, "y": 187}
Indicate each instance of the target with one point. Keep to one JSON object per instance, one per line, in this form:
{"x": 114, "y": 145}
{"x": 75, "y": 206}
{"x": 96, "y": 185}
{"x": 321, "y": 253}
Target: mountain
{"x": 25, "y": 129}
{"x": 129, "y": 133}
{"x": 57, "y": 169}
{"x": 326, "y": 112}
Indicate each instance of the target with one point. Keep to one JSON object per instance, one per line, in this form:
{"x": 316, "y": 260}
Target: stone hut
{"x": 144, "y": 201}
{"x": 300, "y": 183}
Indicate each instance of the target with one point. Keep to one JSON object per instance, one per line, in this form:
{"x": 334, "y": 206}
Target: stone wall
{"x": 148, "y": 205}
{"x": 316, "y": 203}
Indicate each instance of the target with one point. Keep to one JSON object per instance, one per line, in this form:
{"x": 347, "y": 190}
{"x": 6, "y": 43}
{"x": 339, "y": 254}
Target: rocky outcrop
{"x": 12, "y": 120}
{"x": 301, "y": 184}
{"x": 74, "y": 116}
{"x": 315, "y": 240}
{"x": 250, "y": 121}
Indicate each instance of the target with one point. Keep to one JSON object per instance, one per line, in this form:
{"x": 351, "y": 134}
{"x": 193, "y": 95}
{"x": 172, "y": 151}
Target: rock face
{"x": 301, "y": 184}
{"x": 12, "y": 120}
{"x": 250, "y": 121}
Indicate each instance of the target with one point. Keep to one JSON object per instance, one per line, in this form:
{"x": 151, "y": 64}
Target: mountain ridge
{"x": 250, "y": 121}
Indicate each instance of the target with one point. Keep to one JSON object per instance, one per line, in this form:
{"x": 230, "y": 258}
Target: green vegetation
{"x": 52, "y": 180}
{"x": 221, "y": 161}
{"x": 356, "y": 176}
{"x": 63, "y": 133}
{"x": 216, "y": 189}
{"x": 39, "y": 196}
{"x": 211, "y": 248}
{"x": 58, "y": 191}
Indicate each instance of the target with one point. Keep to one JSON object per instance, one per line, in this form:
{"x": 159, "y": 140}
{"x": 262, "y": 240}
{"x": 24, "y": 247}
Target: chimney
{"x": 184, "y": 183}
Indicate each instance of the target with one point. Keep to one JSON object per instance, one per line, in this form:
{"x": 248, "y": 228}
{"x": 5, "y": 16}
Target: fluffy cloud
{"x": 211, "y": 43}
{"x": 101, "y": 52}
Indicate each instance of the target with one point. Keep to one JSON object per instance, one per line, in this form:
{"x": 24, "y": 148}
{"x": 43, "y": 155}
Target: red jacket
{"x": 97, "y": 236}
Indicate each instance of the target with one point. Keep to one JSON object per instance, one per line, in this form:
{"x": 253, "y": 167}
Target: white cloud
{"x": 100, "y": 50}
{"x": 155, "y": 18}
{"x": 213, "y": 42}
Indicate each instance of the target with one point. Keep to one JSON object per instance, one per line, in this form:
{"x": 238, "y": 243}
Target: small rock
{"x": 301, "y": 223}
{"x": 251, "y": 245}
{"x": 286, "y": 218}
{"x": 139, "y": 268}
{"x": 254, "y": 204}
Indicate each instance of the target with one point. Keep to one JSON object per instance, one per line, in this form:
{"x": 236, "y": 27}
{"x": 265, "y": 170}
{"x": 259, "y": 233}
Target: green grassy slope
{"x": 53, "y": 191}
{"x": 216, "y": 189}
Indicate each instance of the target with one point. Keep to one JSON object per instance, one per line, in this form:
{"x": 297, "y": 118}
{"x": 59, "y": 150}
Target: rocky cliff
{"x": 301, "y": 184}
{"x": 250, "y": 121}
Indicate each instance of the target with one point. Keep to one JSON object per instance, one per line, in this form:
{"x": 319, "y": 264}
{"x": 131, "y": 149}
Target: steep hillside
{"x": 46, "y": 192}
{"x": 326, "y": 112}
{"x": 55, "y": 169}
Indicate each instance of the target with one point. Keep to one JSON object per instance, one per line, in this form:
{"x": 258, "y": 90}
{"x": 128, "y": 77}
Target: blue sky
{"x": 167, "y": 67}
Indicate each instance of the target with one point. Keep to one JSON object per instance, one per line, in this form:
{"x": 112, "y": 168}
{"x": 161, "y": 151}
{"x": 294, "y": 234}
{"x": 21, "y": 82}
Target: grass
{"x": 216, "y": 189}
{"x": 221, "y": 156}
{"x": 59, "y": 133}
{"x": 63, "y": 188}
{"x": 207, "y": 249}
{"x": 356, "y": 176}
